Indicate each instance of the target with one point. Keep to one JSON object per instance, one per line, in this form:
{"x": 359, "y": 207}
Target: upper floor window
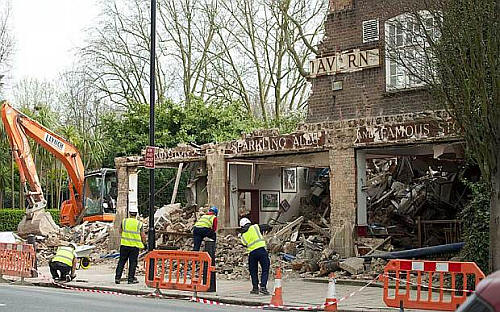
{"x": 407, "y": 49}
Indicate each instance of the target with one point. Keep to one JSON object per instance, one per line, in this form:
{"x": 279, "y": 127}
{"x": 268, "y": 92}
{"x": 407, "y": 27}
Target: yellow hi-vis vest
{"x": 131, "y": 233}
{"x": 64, "y": 255}
{"x": 252, "y": 239}
{"x": 206, "y": 221}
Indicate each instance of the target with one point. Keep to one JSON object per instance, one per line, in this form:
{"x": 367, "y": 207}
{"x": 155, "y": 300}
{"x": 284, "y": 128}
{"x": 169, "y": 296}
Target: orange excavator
{"x": 92, "y": 197}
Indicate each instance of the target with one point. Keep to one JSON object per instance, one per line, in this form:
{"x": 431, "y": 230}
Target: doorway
{"x": 248, "y": 205}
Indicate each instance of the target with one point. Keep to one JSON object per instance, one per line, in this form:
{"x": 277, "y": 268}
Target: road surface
{"x": 30, "y": 299}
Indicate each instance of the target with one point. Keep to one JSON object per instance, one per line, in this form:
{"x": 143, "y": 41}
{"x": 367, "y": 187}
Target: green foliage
{"x": 475, "y": 224}
{"x": 10, "y": 218}
{"x": 195, "y": 122}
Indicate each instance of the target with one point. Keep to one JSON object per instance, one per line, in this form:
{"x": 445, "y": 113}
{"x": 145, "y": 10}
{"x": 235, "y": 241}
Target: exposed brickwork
{"x": 216, "y": 184}
{"x": 364, "y": 92}
{"x": 342, "y": 191}
{"x": 122, "y": 172}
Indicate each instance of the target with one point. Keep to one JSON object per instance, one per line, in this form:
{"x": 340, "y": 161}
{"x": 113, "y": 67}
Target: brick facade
{"x": 364, "y": 92}
{"x": 342, "y": 198}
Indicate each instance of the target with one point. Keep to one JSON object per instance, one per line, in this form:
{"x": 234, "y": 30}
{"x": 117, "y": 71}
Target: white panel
{"x": 417, "y": 266}
{"x": 441, "y": 267}
{"x": 233, "y": 195}
{"x": 361, "y": 180}
{"x": 132, "y": 190}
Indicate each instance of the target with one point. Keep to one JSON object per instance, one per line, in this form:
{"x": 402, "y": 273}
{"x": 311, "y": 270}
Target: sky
{"x": 46, "y": 33}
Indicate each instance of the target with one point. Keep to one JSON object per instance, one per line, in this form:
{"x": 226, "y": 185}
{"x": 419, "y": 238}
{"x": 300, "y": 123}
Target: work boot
{"x": 68, "y": 278}
{"x": 263, "y": 290}
{"x": 134, "y": 281}
{"x": 117, "y": 281}
{"x": 254, "y": 291}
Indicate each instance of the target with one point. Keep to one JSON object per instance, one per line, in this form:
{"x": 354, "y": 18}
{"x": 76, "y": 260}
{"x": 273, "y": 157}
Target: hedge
{"x": 10, "y": 218}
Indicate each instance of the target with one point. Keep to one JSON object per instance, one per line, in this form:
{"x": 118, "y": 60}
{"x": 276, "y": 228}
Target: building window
{"x": 407, "y": 52}
{"x": 370, "y": 31}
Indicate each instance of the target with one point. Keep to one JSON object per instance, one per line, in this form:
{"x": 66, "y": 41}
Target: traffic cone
{"x": 277, "y": 298}
{"x": 331, "y": 300}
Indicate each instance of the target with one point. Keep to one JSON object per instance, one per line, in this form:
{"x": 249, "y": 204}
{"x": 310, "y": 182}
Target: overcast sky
{"x": 46, "y": 33}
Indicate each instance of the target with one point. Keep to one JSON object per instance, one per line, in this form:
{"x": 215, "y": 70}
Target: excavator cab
{"x": 100, "y": 192}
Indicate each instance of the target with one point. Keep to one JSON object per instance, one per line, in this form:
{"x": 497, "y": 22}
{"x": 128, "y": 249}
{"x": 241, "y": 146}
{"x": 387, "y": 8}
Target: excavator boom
{"x": 18, "y": 128}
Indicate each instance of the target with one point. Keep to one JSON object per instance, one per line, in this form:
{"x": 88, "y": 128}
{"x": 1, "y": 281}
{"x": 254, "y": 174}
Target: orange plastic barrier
{"x": 17, "y": 260}
{"x": 181, "y": 270}
{"x": 429, "y": 285}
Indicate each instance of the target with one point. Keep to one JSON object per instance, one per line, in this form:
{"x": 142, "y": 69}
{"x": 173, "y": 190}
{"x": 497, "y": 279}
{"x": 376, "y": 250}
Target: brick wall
{"x": 364, "y": 92}
{"x": 216, "y": 184}
{"x": 342, "y": 199}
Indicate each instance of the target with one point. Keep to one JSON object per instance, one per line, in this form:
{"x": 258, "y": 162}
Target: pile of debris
{"x": 402, "y": 191}
{"x": 87, "y": 234}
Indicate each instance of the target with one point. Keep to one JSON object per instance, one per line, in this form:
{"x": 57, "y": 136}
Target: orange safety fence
{"x": 17, "y": 260}
{"x": 429, "y": 285}
{"x": 181, "y": 270}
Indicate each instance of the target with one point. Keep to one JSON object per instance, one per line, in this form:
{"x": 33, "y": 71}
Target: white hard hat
{"x": 244, "y": 221}
{"x": 133, "y": 209}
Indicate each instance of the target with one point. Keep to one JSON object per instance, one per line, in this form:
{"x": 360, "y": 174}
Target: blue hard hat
{"x": 214, "y": 209}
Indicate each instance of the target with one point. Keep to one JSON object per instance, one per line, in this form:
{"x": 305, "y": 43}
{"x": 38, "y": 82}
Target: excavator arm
{"x": 18, "y": 128}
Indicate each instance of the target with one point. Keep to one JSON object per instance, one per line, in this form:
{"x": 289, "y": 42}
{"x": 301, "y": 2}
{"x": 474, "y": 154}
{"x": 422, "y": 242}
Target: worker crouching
{"x": 63, "y": 264}
{"x": 206, "y": 226}
{"x": 132, "y": 240}
{"x": 251, "y": 238}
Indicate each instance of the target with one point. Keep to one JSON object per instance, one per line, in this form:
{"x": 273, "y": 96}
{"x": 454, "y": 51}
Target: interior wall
{"x": 269, "y": 179}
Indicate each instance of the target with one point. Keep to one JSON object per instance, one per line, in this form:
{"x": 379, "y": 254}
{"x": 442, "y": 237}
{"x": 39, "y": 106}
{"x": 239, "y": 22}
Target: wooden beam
{"x": 176, "y": 185}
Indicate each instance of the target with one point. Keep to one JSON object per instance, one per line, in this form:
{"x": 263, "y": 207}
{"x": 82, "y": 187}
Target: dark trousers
{"x": 199, "y": 233}
{"x": 57, "y": 268}
{"x": 131, "y": 254}
{"x": 255, "y": 257}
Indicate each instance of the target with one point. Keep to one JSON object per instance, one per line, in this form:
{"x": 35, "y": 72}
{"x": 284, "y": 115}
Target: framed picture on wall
{"x": 269, "y": 200}
{"x": 289, "y": 180}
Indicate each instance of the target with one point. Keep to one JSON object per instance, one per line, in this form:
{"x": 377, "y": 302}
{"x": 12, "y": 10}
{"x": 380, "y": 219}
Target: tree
{"x": 6, "y": 49}
{"x": 256, "y": 65}
{"x": 244, "y": 51}
{"x": 117, "y": 54}
{"x": 455, "y": 48}
{"x": 6, "y": 39}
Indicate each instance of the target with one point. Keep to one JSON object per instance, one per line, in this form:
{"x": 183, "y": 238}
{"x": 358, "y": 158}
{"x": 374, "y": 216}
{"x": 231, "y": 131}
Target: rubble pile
{"x": 401, "y": 191}
{"x": 86, "y": 234}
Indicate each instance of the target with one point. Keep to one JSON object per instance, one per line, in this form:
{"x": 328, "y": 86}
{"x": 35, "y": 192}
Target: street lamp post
{"x": 151, "y": 232}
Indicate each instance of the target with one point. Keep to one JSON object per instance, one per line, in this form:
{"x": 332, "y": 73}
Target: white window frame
{"x": 401, "y": 47}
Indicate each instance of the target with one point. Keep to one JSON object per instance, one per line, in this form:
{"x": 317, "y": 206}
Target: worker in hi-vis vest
{"x": 63, "y": 264}
{"x": 251, "y": 238}
{"x": 132, "y": 240}
{"x": 206, "y": 226}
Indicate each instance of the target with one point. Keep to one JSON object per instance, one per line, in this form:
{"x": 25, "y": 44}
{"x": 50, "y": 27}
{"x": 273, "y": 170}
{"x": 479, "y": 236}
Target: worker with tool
{"x": 132, "y": 240}
{"x": 64, "y": 263}
{"x": 251, "y": 238}
{"x": 206, "y": 226}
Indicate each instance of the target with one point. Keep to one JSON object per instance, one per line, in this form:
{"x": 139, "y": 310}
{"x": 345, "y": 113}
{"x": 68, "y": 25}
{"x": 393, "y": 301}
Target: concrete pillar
{"x": 342, "y": 200}
{"x": 121, "y": 201}
{"x": 216, "y": 184}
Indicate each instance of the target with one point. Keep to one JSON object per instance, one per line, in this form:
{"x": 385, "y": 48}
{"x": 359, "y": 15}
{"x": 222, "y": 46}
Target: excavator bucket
{"x": 37, "y": 222}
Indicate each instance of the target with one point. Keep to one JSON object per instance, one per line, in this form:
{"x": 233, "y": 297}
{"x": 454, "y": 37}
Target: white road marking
{"x": 2, "y": 304}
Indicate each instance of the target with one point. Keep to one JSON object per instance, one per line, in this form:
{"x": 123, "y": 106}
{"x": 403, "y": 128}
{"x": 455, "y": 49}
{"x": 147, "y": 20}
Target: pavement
{"x": 28, "y": 299}
{"x": 296, "y": 292}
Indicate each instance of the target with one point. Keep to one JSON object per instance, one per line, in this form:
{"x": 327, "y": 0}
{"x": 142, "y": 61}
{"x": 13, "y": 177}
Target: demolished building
{"x": 373, "y": 149}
